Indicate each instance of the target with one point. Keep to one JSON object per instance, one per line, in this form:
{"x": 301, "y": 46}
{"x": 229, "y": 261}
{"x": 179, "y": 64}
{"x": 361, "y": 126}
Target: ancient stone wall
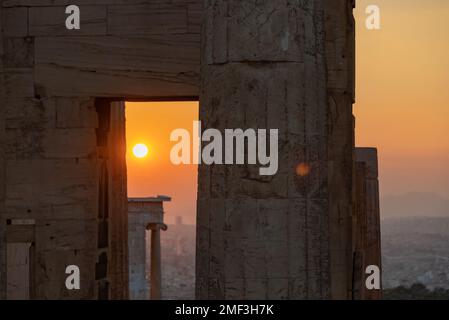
{"x": 61, "y": 157}
{"x": 289, "y": 66}
{"x": 265, "y": 64}
{"x": 124, "y": 48}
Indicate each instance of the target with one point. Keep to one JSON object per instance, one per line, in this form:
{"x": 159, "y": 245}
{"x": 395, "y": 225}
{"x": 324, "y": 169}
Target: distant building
{"x": 145, "y": 220}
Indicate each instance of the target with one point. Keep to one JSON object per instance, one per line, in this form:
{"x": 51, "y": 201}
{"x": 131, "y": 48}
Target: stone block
{"x": 50, "y": 274}
{"x": 256, "y": 289}
{"x": 234, "y": 264}
{"x": 19, "y": 52}
{"x": 69, "y": 143}
{"x": 51, "y": 184}
{"x": 156, "y": 66}
{"x": 22, "y": 113}
{"x": 147, "y": 19}
{"x": 369, "y": 157}
{"x": 15, "y": 22}
{"x": 194, "y": 19}
{"x": 278, "y": 289}
{"x": 234, "y": 288}
{"x": 255, "y": 260}
{"x": 75, "y": 113}
{"x": 50, "y": 21}
{"x": 19, "y": 83}
{"x": 75, "y": 234}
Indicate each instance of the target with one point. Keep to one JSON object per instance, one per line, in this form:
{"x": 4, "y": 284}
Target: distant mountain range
{"x": 414, "y": 204}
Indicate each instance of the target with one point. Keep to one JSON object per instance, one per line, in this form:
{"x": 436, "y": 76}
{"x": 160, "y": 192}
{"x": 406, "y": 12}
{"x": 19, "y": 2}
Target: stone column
{"x": 367, "y": 219}
{"x": 285, "y": 65}
{"x": 118, "y": 203}
{"x": 155, "y": 269}
{"x": 156, "y": 275}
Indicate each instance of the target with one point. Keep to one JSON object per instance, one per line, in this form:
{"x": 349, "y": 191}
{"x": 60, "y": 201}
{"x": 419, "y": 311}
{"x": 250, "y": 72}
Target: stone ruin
{"x": 267, "y": 64}
{"x": 145, "y": 223}
{"x": 366, "y": 222}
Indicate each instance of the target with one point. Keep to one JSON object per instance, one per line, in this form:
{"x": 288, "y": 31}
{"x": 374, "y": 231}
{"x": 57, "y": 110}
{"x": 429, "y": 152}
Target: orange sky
{"x": 151, "y": 124}
{"x": 403, "y": 93}
{"x": 402, "y": 109}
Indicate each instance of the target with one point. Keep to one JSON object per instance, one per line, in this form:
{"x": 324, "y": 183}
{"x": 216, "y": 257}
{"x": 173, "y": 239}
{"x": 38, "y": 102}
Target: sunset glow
{"x": 151, "y": 123}
{"x": 140, "y": 150}
{"x": 402, "y": 101}
{"x": 402, "y": 108}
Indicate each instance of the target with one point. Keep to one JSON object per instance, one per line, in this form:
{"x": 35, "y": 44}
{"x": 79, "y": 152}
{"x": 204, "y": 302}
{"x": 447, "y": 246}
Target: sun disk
{"x": 140, "y": 150}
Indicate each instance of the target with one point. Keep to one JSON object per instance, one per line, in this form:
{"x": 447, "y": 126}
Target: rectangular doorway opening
{"x": 156, "y": 184}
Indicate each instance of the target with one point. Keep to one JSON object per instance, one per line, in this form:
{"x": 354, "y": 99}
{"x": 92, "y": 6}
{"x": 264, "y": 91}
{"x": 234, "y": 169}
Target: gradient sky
{"x": 151, "y": 124}
{"x": 402, "y": 109}
{"x": 403, "y": 93}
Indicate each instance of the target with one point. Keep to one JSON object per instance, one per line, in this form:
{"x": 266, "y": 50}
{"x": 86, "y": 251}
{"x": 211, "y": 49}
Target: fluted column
{"x": 285, "y": 65}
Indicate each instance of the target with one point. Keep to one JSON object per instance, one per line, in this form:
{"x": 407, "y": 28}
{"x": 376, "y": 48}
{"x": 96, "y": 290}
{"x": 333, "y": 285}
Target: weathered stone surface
{"x": 359, "y": 230}
{"x": 50, "y": 21}
{"x": 339, "y": 31}
{"x": 118, "y": 218}
{"x": 75, "y": 113}
{"x": 275, "y": 64}
{"x": 158, "y": 66}
{"x": 63, "y": 234}
{"x": 52, "y": 177}
{"x": 15, "y": 22}
{"x": 17, "y": 264}
{"x": 366, "y": 222}
{"x": 19, "y": 83}
{"x": 35, "y": 189}
{"x": 19, "y": 52}
{"x": 267, "y": 64}
{"x": 51, "y": 265}
{"x": 147, "y": 19}
{"x": 194, "y": 16}
{"x": 139, "y": 216}
{"x": 369, "y": 157}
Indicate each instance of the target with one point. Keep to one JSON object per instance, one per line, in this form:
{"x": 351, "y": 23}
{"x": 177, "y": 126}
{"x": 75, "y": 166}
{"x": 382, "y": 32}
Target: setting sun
{"x": 140, "y": 150}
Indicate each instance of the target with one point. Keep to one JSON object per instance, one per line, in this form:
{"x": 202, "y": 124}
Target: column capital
{"x": 153, "y": 226}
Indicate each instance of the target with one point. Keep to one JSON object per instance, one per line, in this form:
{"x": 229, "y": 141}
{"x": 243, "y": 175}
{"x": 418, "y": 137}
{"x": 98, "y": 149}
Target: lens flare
{"x": 303, "y": 169}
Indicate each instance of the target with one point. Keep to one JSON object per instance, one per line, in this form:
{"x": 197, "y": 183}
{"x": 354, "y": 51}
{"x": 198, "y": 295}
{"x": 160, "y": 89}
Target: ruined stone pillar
{"x": 284, "y": 65}
{"x": 367, "y": 240}
{"x": 146, "y": 219}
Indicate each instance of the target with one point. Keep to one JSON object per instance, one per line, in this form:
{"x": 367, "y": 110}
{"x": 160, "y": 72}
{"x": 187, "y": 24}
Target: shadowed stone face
{"x": 366, "y": 227}
{"x": 282, "y": 64}
{"x": 278, "y": 65}
{"x": 61, "y": 150}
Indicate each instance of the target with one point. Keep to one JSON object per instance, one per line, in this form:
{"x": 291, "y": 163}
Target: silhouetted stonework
{"x": 366, "y": 228}
{"x": 289, "y": 66}
{"x": 265, "y": 64}
{"x": 62, "y": 150}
